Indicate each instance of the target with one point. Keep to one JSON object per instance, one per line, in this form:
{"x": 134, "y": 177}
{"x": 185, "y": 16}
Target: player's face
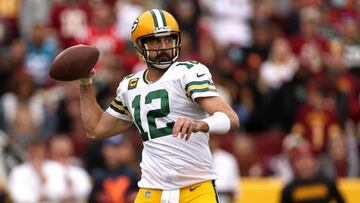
{"x": 305, "y": 166}
{"x": 161, "y": 48}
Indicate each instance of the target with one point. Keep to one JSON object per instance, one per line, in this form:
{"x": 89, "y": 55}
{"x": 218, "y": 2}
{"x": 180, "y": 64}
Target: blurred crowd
{"x": 290, "y": 69}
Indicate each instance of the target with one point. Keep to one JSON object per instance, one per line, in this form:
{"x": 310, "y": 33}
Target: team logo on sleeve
{"x": 133, "y": 83}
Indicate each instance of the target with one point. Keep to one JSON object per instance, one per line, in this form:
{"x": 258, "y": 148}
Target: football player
{"x": 174, "y": 105}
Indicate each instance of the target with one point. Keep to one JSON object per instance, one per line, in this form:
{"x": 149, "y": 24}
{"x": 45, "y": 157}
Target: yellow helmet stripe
{"x": 158, "y": 17}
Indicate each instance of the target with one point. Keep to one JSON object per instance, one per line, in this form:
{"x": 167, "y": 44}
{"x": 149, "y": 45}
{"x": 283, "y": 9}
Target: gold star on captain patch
{"x": 133, "y": 83}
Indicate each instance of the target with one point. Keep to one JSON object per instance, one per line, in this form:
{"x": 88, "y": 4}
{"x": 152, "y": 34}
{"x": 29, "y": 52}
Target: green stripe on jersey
{"x": 119, "y": 107}
{"x": 120, "y": 103}
{"x": 197, "y": 83}
{"x": 207, "y": 89}
{"x": 118, "y": 110}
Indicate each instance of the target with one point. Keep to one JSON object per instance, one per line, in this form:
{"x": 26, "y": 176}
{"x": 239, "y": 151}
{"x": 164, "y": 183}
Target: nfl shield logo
{"x": 147, "y": 194}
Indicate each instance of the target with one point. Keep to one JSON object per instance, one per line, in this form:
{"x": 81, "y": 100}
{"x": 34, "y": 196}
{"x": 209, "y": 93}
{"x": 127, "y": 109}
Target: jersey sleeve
{"x": 118, "y": 108}
{"x": 198, "y": 82}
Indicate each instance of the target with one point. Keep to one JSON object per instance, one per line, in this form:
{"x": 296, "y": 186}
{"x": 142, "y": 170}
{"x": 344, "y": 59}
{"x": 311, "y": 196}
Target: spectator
{"x": 248, "y": 159}
{"x": 307, "y": 179}
{"x": 325, "y": 28}
{"x": 309, "y": 20}
{"x": 101, "y": 32}
{"x": 12, "y": 60}
{"x": 37, "y": 179}
{"x": 315, "y": 117}
{"x": 310, "y": 58}
{"x": 70, "y": 19}
{"x": 207, "y": 51}
{"x": 244, "y": 105}
{"x": 226, "y": 63}
{"x": 33, "y": 13}
{"x": 249, "y": 75}
{"x": 68, "y": 116}
{"x": 341, "y": 158}
{"x": 350, "y": 36}
{"x": 280, "y": 67}
{"x": 342, "y": 83}
{"x": 116, "y": 182}
{"x": 291, "y": 25}
{"x": 9, "y": 12}
{"x": 126, "y": 12}
{"x": 187, "y": 50}
{"x": 226, "y": 167}
{"x": 308, "y": 44}
{"x": 229, "y": 21}
{"x": 40, "y": 51}
{"x": 187, "y": 13}
{"x": 264, "y": 34}
{"x": 343, "y": 8}
{"x": 280, "y": 165}
{"x": 24, "y": 112}
{"x": 77, "y": 180}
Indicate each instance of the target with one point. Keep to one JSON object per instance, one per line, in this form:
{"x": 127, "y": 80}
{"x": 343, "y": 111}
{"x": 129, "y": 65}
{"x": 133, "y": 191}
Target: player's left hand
{"x": 184, "y": 127}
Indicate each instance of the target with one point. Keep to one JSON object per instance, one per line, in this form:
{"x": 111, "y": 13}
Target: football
{"x": 74, "y": 62}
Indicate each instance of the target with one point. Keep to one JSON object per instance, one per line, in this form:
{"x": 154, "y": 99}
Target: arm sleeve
{"x": 198, "y": 83}
{"x": 118, "y": 108}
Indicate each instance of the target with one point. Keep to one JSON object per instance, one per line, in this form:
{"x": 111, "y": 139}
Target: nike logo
{"x": 193, "y": 188}
{"x": 200, "y": 75}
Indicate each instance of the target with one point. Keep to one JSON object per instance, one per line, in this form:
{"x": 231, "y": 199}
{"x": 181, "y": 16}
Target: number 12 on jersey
{"x": 151, "y": 115}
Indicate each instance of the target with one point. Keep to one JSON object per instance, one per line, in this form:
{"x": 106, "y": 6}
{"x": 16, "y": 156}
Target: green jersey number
{"x": 188, "y": 64}
{"x": 151, "y": 116}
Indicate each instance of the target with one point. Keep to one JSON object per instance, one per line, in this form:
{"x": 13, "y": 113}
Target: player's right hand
{"x": 86, "y": 80}
{"x": 183, "y": 127}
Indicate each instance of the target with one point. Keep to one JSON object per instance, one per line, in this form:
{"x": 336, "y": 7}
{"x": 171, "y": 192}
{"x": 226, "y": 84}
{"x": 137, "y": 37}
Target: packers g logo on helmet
{"x": 134, "y": 25}
{"x": 155, "y": 23}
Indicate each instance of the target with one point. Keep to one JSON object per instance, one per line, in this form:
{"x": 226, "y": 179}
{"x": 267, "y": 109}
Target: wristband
{"x": 85, "y": 81}
{"x": 219, "y": 123}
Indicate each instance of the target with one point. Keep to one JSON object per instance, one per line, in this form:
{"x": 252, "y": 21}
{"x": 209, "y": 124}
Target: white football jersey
{"x": 168, "y": 162}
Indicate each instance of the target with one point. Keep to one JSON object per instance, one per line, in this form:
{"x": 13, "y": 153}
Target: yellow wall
{"x": 258, "y": 190}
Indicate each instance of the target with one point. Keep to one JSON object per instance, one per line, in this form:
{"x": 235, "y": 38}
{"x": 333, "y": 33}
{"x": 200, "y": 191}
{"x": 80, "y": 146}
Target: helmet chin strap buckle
{"x": 162, "y": 31}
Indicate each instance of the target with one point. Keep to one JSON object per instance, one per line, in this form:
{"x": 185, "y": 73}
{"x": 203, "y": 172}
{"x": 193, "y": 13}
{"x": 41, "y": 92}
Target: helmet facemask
{"x": 144, "y": 50}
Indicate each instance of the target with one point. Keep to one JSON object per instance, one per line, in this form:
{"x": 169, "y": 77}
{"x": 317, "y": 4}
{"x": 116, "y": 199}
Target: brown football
{"x": 74, "y": 62}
